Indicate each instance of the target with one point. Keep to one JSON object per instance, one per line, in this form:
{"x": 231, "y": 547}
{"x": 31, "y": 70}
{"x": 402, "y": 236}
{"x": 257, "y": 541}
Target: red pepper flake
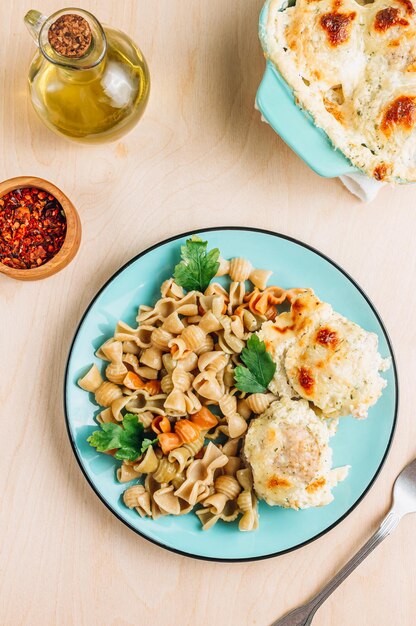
{"x": 32, "y": 228}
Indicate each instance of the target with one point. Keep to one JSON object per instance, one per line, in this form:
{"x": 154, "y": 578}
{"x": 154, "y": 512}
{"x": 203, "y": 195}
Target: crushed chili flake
{"x": 32, "y": 227}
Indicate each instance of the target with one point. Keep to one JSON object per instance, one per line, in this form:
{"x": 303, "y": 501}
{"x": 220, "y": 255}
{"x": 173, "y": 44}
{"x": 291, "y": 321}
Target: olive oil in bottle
{"x": 87, "y": 82}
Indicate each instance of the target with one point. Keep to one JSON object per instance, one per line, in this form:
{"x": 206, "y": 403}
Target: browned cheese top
{"x": 337, "y": 26}
{"x": 400, "y": 112}
{"x": 387, "y": 18}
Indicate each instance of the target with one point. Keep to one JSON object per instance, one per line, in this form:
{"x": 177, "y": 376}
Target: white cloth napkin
{"x": 362, "y": 186}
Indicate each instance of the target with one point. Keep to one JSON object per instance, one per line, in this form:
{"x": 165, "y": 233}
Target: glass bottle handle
{"x": 34, "y": 21}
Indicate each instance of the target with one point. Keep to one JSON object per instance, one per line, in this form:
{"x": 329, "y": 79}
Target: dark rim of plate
{"x": 394, "y": 365}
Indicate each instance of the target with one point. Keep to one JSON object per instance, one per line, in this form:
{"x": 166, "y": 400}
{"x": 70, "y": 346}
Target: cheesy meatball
{"x": 325, "y": 358}
{"x": 287, "y": 448}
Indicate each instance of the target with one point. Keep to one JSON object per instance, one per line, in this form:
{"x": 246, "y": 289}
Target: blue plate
{"x": 361, "y": 444}
{"x": 296, "y": 127}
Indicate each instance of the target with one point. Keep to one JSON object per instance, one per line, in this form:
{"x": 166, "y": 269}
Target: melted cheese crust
{"x": 288, "y": 450}
{"x": 353, "y": 67}
{"x": 325, "y": 358}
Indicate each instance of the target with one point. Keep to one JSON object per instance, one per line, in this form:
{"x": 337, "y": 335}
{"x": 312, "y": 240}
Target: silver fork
{"x": 404, "y": 502}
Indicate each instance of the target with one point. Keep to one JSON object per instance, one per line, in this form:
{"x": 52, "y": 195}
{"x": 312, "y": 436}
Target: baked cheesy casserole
{"x": 288, "y": 451}
{"x": 353, "y": 68}
{"x": 325, "y": 358}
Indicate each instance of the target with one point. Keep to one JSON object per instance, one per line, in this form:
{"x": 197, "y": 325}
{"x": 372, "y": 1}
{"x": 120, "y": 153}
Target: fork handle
{"x": 303, "y": 615}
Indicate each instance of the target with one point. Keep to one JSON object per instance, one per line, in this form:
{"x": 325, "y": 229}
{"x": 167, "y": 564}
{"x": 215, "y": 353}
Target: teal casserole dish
{"x": 276, "y": 102}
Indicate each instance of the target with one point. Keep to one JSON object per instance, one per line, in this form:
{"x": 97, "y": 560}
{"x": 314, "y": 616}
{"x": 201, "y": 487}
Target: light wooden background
{"x": 200, "y": 157}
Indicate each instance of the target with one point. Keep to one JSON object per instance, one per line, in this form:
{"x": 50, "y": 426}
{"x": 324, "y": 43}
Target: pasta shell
{"x": 178, "y": 348}
{"x": 169, "y": 289}
{"x": 188, "y": 363}
{"x": 207, "y": 386}
{"x": 149, "y": 462}
{"x": 230, "y": 344}
{"x": 107, "y": 393}
{"x": 173, "y": 324}
{"x": 131, "y": 347}
{"x": 233, "y": 465}
{"x": 161, "y": 338}
{"x": 182, "y": 456}
{"x": 148, "y": 372}
{"x": 259, "y": 278}
{"x": 146, "y": 418}
{"x": 215, "y": 289}
{"x": 113, "y": 350}
{"x": 152, "y": 357}
{"x": 204, "y": 419}
{"x": 132, "y": 494}
{"x": 106, "y": 416}
{"x": 215, "y": 360}
{"x": 230, "y": 512}
{"x": 100, "y": 353}
{"x": 168, "y": 363}
{"x": 206, "y": 346}
{"x": 227, "y": 485}
{"x": 259, "y": 402}
{"x": 167, "y": 383}
{"x": 224, "y": 267}
{"x": 118, "y": 405}
{"x": 165, "y": 471}
{"x": 209, "y": 323}
{"x": 144, "y": 508}
{"x": 181, "y": 379}
{"x": 193, "y": 336}
{"x": 240, "y": 269}
{"x": 131, "y": 361}
{"x": 92, "y": 380}
{"x": 243, "y": 408}
{"x": 192, "y": 402}
{"x": 167, "y": 501}
{"x": 237, "y": 293}
{"x": 126, "y": 473}
{"x": 216, "y": 502}
{"x": 230, "y": 448}
{"x": 207, "y": 518}
{"x": 195, "y": 446}
{"x": 175, "y": 403}
{"x": 116, "y": 372}
{"x": 251, "y": 323}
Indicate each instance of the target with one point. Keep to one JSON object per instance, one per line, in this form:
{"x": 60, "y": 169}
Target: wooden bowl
{"x": 72, "y": 237}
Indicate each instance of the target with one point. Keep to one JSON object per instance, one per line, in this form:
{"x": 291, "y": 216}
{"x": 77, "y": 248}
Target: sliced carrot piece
{"x": 161, "y": 424}
{"x": 133, "y": 381}
{"x": 169, "y": 441}
{"x": 204, "y": 419}
{"x": 153, "y": 387}
{"x": 187, "y": 431}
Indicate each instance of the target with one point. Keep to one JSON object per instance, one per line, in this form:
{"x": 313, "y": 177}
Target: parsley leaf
{"x": 260, "y": 367}
{"x": 198, "y": 266}
{"x": 127, "y": 440}
{"x": 147, "y": 443}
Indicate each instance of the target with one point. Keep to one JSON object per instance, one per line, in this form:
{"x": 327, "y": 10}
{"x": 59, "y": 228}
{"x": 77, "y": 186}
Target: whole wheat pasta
{"x": 176, "y": 374}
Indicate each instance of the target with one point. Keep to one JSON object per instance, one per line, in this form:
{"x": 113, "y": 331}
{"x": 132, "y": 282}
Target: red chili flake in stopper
{"x": 32, "y": 227}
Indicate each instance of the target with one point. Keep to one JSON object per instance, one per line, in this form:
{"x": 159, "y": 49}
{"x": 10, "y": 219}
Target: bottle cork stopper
{"x": 70, "y": 35}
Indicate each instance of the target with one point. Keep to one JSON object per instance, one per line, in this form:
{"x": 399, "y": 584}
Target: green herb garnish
{"x": 128, "y": 439}
{"x": 260, "y": 367}
{"x": 147, "y": 443}
{"x": 198, "y": 266}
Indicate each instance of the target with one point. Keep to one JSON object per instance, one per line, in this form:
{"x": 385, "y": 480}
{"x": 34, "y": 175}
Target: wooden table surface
{"x": 200, "y": 157}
